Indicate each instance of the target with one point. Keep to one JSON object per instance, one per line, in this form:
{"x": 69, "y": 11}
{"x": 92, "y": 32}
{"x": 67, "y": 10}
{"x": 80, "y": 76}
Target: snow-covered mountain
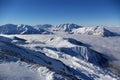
{"x": 99, "y": 31}
{"x": 66, "y": 27}
{"x": 26, "y": 29}
{"x": 77, "y": 49}
{"x": 8, "y": 29}
{"x": 53, "y": 58}
{"x": 70, "y": 53}
{"x": 50, "y": 29}
{"x": 11, "y": 52}
{"x": 21, "y": 29}
{"x": 44, "y": 26}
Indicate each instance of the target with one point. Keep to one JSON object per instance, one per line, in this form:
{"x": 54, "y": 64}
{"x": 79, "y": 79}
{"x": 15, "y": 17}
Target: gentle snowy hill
{"x": 99, "y": 31}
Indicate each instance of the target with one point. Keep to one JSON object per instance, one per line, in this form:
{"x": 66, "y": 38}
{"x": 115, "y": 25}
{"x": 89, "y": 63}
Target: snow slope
{"x": 77, "y": 49}
{"x": 60, "y": 48}
{"x": 108, "y": 46}
{"x": 11, "y": 52}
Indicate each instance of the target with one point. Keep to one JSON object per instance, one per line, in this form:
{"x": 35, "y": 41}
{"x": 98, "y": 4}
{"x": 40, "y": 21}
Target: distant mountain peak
{"x": 100, "y": 31}
{"x": 66, "y": 27}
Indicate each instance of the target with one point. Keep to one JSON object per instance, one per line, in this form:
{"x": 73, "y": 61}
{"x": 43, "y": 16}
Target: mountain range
{"x": 51, "y": 29}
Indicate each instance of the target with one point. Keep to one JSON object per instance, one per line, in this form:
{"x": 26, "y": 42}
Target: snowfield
{"x": 60, "y": 56}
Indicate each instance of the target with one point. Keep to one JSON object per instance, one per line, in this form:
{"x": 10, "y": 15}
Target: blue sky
{"x": 82, "y": 12}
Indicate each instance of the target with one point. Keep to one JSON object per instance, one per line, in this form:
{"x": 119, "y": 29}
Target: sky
{"x": 82, "y": 12}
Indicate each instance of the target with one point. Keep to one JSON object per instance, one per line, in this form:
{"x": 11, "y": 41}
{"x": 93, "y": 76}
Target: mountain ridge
{"x": 51, "y": 29}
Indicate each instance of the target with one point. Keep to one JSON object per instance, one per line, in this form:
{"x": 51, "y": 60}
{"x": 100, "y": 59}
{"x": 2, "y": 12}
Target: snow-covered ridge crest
{"x": 21, "y": 29}
{"x": 44, "y": 26}
{"x": 99, "y": 31}
{"x": 75, "y": 48}
{"x": 66, "y": 27}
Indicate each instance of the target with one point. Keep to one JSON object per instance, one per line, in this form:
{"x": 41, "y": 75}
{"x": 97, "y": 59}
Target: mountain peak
{"x": 100, "y": 31}
{"x": 66, "y": 27}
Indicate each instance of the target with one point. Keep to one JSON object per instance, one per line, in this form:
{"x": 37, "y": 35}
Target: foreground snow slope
{"x": 108, "y": 46}
{"x": 80, "y": 59}
{"x": 11, "y": 52}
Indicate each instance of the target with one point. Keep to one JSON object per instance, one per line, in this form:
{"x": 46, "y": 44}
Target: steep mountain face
{"x": 20, "y": 29}
{"x": 66, "y": 27}
{"x": 99, "y": 31}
